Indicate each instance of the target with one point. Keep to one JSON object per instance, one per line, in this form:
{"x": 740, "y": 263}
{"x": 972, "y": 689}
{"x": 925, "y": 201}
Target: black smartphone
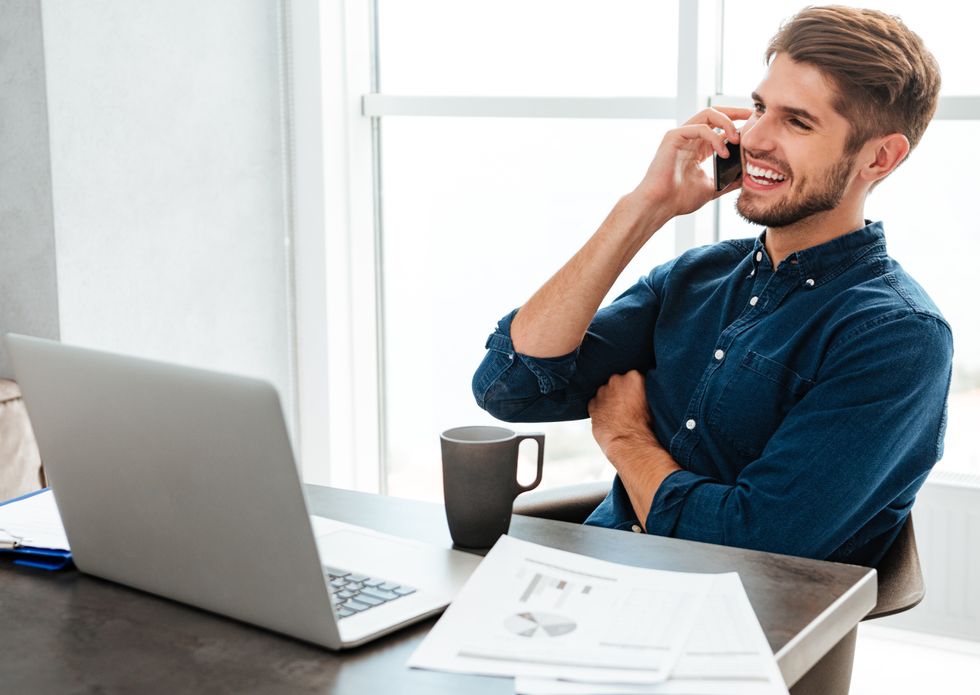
{"x": 728, "y": 170}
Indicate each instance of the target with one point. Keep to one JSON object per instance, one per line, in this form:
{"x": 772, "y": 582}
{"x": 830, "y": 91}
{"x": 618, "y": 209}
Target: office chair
{"x": 900, "y": 584}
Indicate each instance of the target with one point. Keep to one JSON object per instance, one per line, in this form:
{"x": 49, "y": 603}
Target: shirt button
{"x": 810, "y": 282}
{"x": 753, "y": 301}
{"x": 719, "y": 354}
{"x": 637, "y": 528}
{"x": 758, "y": 255}
{"x": 690, "y": 424}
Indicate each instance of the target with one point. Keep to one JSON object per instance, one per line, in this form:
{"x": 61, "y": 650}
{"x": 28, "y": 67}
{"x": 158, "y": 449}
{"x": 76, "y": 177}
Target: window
{"x": 478, "y": 212}
{"x": 499, "y": 140}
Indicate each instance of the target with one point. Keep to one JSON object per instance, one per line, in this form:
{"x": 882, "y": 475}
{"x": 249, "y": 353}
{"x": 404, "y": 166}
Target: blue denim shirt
{"x": 805, "y": 404}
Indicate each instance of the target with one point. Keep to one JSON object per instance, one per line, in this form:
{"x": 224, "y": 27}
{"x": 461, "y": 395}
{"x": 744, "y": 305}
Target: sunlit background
{"x": 491, "y": 207}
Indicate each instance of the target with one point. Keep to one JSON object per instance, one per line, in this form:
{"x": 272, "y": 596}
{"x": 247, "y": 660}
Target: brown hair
{"x": 887, "y": 80}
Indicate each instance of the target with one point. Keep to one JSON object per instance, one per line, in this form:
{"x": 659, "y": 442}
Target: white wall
{"x": 167, "y": 163}
{"x": 28, "y": 284}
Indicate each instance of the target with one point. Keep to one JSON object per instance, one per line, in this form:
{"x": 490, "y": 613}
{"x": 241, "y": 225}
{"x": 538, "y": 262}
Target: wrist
{"x": 628, "y": 446}
{"x": 641, "y": 215}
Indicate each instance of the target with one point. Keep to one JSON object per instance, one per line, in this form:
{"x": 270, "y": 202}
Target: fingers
{"x": 704, "y": 133}
{"x": 736, "y": 113}
{"x": 721, "y": 117}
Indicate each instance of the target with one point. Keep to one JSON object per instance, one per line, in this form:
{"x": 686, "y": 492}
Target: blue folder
{"x": 42, "y": 558}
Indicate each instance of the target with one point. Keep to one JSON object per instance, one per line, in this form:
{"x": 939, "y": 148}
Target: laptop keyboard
{"x": 355, "y": 593}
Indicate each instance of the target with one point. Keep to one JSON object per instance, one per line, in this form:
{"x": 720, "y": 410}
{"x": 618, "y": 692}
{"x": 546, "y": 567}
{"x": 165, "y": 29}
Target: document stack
{"x": 561, "y": 623}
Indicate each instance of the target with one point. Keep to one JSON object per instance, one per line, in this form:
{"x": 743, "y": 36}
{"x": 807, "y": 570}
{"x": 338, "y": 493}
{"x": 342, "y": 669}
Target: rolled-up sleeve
{"x": 519, "y": 388}
{"x": 866, "y": 435}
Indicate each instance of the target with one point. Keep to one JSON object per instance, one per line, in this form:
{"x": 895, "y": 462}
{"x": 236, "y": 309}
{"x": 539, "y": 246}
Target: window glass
{"x": 478, "y": 213}
{"x": 931, "y": 231}
{"x": 528, "y": 47}
{"x": 948, "y": 30}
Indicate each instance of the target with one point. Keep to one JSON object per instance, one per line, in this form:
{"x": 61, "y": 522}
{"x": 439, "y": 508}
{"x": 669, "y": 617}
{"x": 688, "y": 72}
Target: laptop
{"x": 182, "y": 482}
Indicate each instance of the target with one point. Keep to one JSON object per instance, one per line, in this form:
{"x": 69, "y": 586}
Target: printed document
{"x": 727, "y": 653}
{"x": 33, "y": 522}
{"x": 529, "y": 610}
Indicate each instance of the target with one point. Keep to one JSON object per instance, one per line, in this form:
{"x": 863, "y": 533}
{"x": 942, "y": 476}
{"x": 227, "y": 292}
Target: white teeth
{"x": 757, "y": 172}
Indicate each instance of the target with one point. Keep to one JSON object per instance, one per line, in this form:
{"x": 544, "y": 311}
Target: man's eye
{"x": 759, "y": 108}
{"x": 800, "y": 124}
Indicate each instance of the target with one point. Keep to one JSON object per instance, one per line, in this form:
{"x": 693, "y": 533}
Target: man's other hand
{"x": 675, "y": 178}
{"x": 620, "y": 414}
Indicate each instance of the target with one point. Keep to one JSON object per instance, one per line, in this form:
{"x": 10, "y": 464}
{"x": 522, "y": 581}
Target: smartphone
{"x": 728, "y": 170}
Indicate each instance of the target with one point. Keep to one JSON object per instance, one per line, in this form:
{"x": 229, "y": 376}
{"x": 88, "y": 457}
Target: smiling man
{"x": 785, "y": 393}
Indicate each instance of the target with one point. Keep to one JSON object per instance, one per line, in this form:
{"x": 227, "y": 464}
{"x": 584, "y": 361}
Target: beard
{"x": 801, "y": 205}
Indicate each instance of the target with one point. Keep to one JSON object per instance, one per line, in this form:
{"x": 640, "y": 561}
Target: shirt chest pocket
{"x": 753, "y": 402}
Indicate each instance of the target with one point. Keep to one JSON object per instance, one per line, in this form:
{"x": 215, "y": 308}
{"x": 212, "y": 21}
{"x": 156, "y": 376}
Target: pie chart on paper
{"x": 538, "y": 625}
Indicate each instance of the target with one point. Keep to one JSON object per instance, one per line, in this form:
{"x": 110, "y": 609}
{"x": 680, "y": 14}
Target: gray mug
{"x": 479, "y": 481}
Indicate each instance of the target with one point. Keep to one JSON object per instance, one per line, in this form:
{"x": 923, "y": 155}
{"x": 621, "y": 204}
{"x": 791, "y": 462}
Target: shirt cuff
{"x": 552, "y": 373}
{"x": 664, "y": 518}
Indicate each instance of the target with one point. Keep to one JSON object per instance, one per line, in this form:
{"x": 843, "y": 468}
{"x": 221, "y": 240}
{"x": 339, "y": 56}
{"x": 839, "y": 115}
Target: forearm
{"x": 643, "y": 465}
{"x": 553, "y": 322}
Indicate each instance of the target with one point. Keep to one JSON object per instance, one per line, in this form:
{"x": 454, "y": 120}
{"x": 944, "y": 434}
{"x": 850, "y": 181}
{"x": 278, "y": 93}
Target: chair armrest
{"x": 571, "y": 503}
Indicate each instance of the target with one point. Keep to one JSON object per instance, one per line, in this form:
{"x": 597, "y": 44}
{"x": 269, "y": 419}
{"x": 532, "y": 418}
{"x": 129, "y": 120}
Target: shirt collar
{"x": 821, "y": 263}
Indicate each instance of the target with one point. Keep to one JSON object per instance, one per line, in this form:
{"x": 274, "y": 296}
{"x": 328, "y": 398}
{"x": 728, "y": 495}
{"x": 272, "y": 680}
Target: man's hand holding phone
{"x": 675, "y": 178}
{"x": 555, "y": 318}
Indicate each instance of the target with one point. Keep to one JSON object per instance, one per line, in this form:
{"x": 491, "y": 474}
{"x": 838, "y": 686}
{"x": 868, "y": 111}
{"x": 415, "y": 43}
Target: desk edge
{"x": 828, "y": 628}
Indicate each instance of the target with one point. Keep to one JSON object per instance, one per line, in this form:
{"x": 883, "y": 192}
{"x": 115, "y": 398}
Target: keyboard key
{"x": 344, "y": 612}
{"x": 354, "y": 586}
{"x": 355, "y": 605}
{"x": 403, "y": 590}
{"x": 368, "y": 599}
{"x": 338, "y": 583}
{"x": 344, "y": 593}
{"x": 334, "y": 572}
{"x": 357, "y": 577}
{"x": 378, "y": 593}
{"x": 388, "y": 586}
{"x": 373, "y": 582}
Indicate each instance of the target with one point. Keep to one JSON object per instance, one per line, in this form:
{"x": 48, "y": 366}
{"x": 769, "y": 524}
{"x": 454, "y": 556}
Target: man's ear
{"x": 887, "y": 153}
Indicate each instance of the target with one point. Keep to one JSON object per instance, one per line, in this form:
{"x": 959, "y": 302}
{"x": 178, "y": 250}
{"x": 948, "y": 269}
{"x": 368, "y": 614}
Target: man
{"x": 785, "y": 393}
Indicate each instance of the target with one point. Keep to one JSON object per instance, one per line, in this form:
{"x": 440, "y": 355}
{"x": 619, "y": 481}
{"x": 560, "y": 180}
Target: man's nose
{"x": 757, "y": 134}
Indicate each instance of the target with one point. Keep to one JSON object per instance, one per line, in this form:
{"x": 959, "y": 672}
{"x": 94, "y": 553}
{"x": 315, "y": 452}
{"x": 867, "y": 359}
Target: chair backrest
{"x": 900, "y": 583}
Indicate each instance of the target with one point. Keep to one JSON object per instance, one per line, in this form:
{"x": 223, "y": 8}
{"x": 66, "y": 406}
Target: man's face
{"x": 796, "y": 134}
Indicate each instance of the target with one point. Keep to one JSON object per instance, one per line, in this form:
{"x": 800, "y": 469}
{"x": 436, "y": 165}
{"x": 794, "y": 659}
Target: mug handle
{"x": 539, "y": 438}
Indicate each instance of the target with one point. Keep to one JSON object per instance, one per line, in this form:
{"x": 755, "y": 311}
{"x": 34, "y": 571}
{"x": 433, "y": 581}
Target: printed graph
{"x": 539, "y": 625}
{"x": 552, "y": 590}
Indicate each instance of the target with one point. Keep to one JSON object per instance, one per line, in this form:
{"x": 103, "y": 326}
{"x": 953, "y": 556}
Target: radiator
{"x": 947, "y": 532}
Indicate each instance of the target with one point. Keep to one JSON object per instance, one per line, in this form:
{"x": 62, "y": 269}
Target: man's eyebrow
{"x": 796, "y": 111}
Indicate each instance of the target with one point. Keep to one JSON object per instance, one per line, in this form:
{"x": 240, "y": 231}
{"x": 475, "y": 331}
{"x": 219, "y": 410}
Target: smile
{"x": 758, "y": 178}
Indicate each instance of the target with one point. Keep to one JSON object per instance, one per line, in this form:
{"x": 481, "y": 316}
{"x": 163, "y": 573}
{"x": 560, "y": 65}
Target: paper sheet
{"x": 536, "y": 611}
{"x": 34, "y": 522}
{"x": 726, "y": 654}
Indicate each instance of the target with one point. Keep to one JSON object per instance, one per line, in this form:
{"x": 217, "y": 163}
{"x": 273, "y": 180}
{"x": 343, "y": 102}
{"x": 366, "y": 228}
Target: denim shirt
{"x": 804, "y": 404}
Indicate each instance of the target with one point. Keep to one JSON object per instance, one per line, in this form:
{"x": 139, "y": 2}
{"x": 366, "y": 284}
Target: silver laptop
{"x": 182, "y": 482}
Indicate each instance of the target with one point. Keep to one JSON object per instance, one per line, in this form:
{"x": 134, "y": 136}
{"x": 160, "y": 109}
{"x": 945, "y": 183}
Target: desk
{"x": 68, "y": 632}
